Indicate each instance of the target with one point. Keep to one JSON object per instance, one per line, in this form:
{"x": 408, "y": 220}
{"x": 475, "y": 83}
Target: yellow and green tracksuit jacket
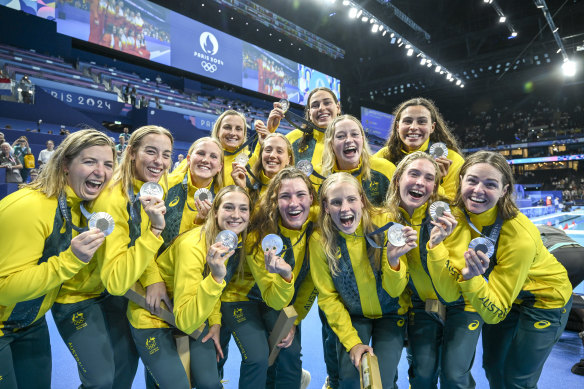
{"x": 36, "y": 257}
{"x": 228, "y": 160}
{"x": 357, "y": 289}
{"x": 312, "y": 152}
{"x": 521, "y": 271}
{"x": 449, "y": 184}
{"x": 275, "y": 291}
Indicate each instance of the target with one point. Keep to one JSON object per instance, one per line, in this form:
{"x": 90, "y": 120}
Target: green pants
{"x": 25, "y": 358}
{"x": 515, "y": 350}
{"x": 251, "y": 323}
{"x": 97, "y": 334}
{"x": 387, "y": 336}
{"x": 444, "y": 350}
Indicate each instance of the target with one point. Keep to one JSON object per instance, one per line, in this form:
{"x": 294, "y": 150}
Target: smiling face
{"x": 416, "y": 184}
{"x": 231, "y": 132}
{"x": 345, "y": 206}
{"x": 89, "y": 172}
{"x": 233, "y": 212}
{"x": 275, "y": 156}
{"x": 481, "y": 188}
{"x": 347, "y": 144}
{"x": 204, "y": 163}
{"x": 415, "y": 126}
{"x": 323, "y": 108}
{"x": 152, "y": 157}
{"x": 294, "y": 200}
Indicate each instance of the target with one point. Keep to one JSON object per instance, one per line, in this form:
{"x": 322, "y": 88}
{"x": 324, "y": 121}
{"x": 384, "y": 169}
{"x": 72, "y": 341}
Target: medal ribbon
{"x": 494, "y": 235}
{"x": 65, "y": 212}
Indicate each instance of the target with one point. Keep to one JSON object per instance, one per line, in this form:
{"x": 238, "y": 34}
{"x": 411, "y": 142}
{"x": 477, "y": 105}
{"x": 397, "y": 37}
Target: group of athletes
{"x": 459, "y": 258}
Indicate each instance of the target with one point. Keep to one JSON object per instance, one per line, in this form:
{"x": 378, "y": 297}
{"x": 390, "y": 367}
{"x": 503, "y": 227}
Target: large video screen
{"x": 147, "y": 30}
{"x": 376, "y": 122}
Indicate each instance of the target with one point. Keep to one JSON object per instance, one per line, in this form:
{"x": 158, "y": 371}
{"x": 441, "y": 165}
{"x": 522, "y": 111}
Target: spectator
{"x": 45, "y": 154}
{"x": 25, "y": 87}
{"x": 121, "y": 146}
{"x": 126, "y": 133}
{"x": 21, "y": 148}
{"x": 179, "y": 160}
{"x": 10, "y": 163}
{"x": 34, "y": 174}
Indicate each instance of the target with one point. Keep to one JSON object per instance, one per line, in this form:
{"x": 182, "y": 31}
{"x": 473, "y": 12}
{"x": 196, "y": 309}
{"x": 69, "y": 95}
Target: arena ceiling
{"x": 464, "y": 35}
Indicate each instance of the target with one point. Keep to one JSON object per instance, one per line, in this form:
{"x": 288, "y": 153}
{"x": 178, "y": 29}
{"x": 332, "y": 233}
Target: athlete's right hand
{"x": 238, "y": 173}
{"x": 155, "y": 209}
{"x": 216, "y": 257}
{"x": 86, "y": 244}
{"x": 477, "y": 264}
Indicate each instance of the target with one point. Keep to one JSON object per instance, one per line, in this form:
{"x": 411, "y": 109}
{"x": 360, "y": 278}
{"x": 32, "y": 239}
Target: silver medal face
{"x": 241, "y": 159}
{"x": 438, "y": 208}
{"x": 228, "y": 238}
{"x": 204, "y": 194}
{"x": 152, "y": 189}
{"x": 272, "y": 242}
{"x": 285, "y": 104}
{"x": 102, "y": 221}
{"x": 395, "y": 235}
{"x": 305, "y": 166}
{"x": 438, "y": 150}
{"x": 484, "y": 245}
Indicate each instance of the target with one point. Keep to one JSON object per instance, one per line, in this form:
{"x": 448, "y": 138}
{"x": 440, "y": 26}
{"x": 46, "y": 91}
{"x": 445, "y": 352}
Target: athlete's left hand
{"x": 287, "y": 341}
{"x": 213, "y": 333}
{"x": 155, "y": 294}
{"x": 357, "y": 352}
{"x": 395, "y": 252}
{"x": 203, "y": 208}
{"x": 276, "y": 264}
{"x": 443, "y": 164}
{"x": 477, "y": 264}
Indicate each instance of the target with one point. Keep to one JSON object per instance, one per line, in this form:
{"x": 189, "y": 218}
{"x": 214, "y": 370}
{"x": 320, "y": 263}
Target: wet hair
{"x": 329, "y": 229}
{"x": 393, "y": 198}
{"x": 267, "y": 215}
{"x": 52, "y": 178}
{"x": 328, "y": 156}
{"x": 125, "y": 172}
{"x": 441, "y": 132}
{"x": 506, "y": 205}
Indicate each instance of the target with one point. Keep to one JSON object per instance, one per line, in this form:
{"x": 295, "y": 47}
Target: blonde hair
{"x": 217, "y": 125}
{"x": 52, "y": 178}
{"x": 393, "y": 198}
{"x": 258, "y": 167}
{"x": 125, "y": 172}
{"x": 267, "y": 215}
{"x": 219, "y": 183}
{"x": 211, "y": 227}
{"x": 507, "y": 208}
{"x": 441, "y": 132}
{"x": 328, "y": 156}
{"x": 330, "y": 231}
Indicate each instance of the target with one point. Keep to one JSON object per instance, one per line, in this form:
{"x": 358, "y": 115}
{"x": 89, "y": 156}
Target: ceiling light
{"x": 374, "y": 28}
{"x": 346, "y": 2}
{"x": 353, "y": 13}
{"x": 502, "y": 19}
{"x": 410, "y": 52}
{"x": 364, "y": 19}
{"x": 423, "y": 61}
{"x": 438, "y": 67}
{"x": 384, "y": 32}
{"x": 569, "y": 68}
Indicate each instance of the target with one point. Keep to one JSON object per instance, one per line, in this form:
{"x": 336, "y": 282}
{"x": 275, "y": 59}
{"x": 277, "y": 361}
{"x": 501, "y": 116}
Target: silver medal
{"x": 305, "y": 166}
{"x": 272, "y": 242}
{"x": 438, "y": 208}
{"x": 395, "y": 235}
{"x": 483, "y": 245}
{"x": 102, "y": 221}
{"x": 204, "y": 194}
{"x": 284, "y": 104}
{"x": 241, "y": 159}
{"x": 152, "y": 189}
{"x": 227, "y": 238}
{"x": 438, "y": 150}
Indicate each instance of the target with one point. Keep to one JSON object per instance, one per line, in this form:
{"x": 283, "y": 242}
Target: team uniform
{"x": 312, "y": 151}
{"x": 437, "y": 345}
{"x": 229, "y": 158}
{"x": 524, "y": 296}
{"x": 196, "y": 301}
{"x": 448, "y": 184}
{"x": 361, "y": 303}
{"x": 36, "y": 259}
{"x": 376, "y": 187}
{"x": 277, "y": 293}
{"x": 251, "y": 311}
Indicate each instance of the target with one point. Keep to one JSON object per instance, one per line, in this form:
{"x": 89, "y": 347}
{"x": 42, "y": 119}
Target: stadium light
{"x": 353, "y": 13}
{"x": 569, "y": 68}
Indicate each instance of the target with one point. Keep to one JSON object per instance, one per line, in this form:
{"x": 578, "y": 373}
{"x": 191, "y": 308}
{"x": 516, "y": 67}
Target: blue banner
{"x": 90, "y": 103}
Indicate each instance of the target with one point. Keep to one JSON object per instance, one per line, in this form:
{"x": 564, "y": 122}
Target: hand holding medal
{"x": 443, "y": 222}
{"x": 400, "y": 240}
{"x": 272, "y": 245}
{"x": 477, "y": 257}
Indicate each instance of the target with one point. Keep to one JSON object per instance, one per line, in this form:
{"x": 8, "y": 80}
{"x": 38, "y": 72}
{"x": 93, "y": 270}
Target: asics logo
{"x": 474, "y": 325}
{"x": 174, "y": 202}
{"x": 209, "y": 67}
{"x": 542, "y": 324}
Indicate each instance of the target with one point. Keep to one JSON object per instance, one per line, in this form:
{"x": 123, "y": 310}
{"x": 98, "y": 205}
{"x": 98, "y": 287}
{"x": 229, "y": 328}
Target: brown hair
{"x": 306, "y": 137}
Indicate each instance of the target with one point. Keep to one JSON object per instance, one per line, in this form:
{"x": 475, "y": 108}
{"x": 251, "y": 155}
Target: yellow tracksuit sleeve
{"x": 305, "y": 298}
{"x": 27, "y": 219}
{"x": 394, "y": 281}
{"x": 195, "y": 297}
{"x": 121, "y": 263}
{"x": 329, "y": 299}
